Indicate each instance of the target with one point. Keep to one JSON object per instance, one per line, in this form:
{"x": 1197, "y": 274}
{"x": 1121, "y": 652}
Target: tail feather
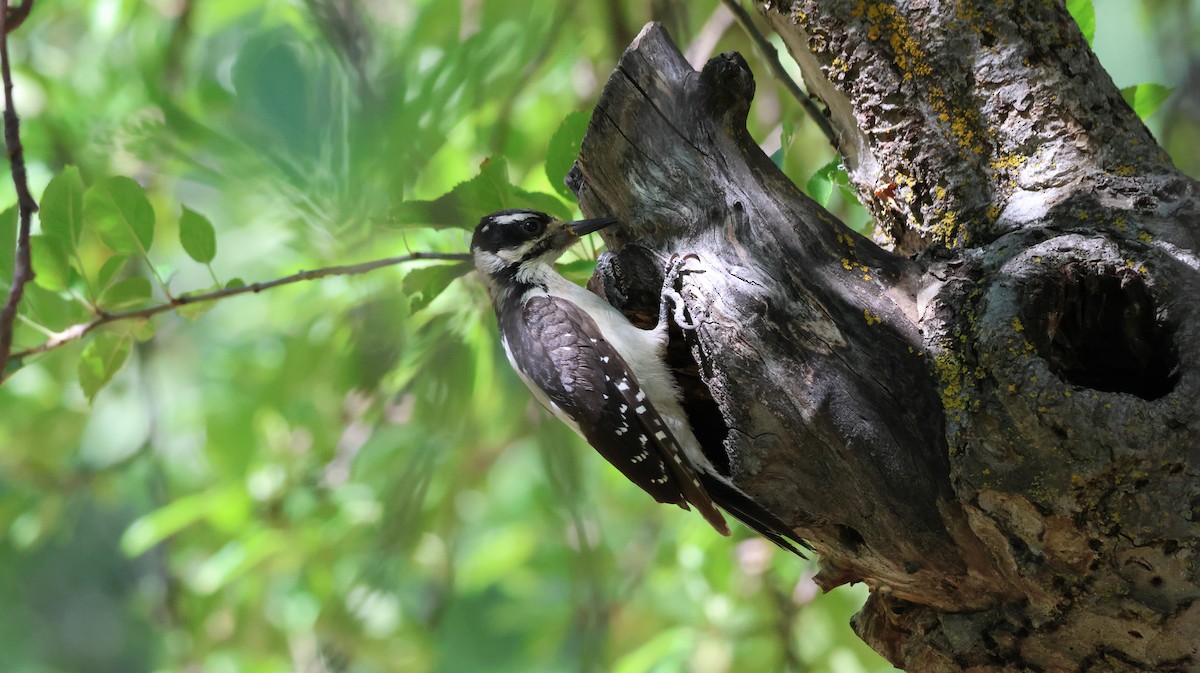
{"x": 753, "y": 515}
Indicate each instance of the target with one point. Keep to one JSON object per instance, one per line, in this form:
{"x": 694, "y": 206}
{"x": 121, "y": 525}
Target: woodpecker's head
{"x": 512, "y": 248}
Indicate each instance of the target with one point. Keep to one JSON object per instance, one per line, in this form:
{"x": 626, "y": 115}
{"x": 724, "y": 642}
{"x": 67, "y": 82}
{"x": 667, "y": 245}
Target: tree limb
{"x": 998, "y": 436}
{"x": 26, "y": 205}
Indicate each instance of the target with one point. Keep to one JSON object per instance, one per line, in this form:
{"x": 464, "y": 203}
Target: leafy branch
{"x": 80, "y": 330}
{"x": 22, "y": 267}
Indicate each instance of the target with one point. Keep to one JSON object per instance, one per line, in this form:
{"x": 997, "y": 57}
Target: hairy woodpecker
{"x": 598, "y": 373}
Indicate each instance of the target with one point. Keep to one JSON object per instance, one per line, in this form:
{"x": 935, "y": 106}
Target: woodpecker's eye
{"x": 533, "y": 227}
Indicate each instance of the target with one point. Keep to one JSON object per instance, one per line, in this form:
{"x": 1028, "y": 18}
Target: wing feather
{"x": 559, "y": 348}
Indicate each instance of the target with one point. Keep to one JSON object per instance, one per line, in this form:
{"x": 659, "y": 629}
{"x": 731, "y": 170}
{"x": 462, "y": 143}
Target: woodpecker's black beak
{"x": 585, "y": 227}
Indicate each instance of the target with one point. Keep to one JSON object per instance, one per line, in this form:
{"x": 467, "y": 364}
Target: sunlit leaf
{"x": 125, "y": 292}
{"x": 234, "y": 559}
{"x": 496, "y": 556}
{"x": 564, "y": 148}
{"x": 1146, "y": 98}
{"x": 61, "y": 208}
{"x": 486, "y": 193}
{"x": 142, "y": 330}
{"x": 52, "y": 309}
{"x": 51, "y": 265}
{"x": 153, "y": 528}
{"x": 197, "y": 309}
{"x": 101, "y": 360}
{"x": 425, "y": 284}
{"x": 1085, "y": 15}
{"x": 121, "y": 213}
{"x": 820, "y": 185}
{"x": 197, "y": 236}
{"x": 664, "y": 648}
{"x": 109, "y": 271}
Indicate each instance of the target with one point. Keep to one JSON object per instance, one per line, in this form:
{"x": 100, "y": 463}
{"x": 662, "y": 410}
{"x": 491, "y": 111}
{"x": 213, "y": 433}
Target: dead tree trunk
{"x": 999, "y": 435}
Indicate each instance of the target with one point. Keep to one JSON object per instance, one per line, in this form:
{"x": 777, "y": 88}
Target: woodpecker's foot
{"x": 674, "y": 271}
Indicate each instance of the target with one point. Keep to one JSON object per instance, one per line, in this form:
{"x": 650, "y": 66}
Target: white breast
{"x": 643, "y": 352}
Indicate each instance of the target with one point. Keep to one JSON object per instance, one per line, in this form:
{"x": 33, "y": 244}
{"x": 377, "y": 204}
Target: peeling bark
{"x": 1000, "y": 435}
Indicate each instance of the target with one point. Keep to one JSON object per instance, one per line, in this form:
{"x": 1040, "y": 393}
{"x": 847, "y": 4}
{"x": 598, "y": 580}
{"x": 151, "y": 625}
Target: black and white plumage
{"x": 598, "y": 373}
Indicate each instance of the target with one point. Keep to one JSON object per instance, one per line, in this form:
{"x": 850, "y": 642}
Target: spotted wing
{"x": 558, "y": 348}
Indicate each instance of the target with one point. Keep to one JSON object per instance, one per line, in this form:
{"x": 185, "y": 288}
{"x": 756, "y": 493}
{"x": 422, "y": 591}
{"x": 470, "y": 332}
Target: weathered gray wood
{"x": 807, "y": 344}
{"x": 1001, "y": 437}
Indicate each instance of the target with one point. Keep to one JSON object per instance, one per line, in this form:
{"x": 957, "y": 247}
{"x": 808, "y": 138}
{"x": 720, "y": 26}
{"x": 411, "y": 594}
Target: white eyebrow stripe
{"x": 510, "y": 218}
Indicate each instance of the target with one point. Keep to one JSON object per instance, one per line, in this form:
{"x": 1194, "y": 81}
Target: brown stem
{"x": 80, "y": 330}
{"x": 15, "y": 16}
{"x": 26, "y": 206}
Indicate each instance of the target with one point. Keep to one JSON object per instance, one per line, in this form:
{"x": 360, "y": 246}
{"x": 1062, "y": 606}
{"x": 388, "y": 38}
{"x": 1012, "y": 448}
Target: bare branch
{"x": 80, "y": 330}
{"x": 26, "y": 205}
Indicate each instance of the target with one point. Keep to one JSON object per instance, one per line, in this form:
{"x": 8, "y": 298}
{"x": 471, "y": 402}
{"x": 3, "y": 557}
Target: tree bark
{"x": 994, "y": 425}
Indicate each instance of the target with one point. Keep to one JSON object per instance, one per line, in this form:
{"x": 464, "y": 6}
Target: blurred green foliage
{"x": 345, "y": 474}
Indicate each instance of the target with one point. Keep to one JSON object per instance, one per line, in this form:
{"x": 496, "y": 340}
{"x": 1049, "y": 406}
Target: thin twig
{"x": 772, "y": 56}
{"x": 80, "y": 330}
{"x": 26, "y": 205}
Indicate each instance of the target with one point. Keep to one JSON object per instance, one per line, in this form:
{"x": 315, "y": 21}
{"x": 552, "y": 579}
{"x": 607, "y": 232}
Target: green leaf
{"x": 125, "y": 292}
{"x": 235, "y": 559}
{"x": 1146, "y": 98}
{"x": 235, "y": 282}
{"x": 425, "y": 284}
{"x": 657, "y": 653}
{"x": 820, "y": 185}
{"x": 61, "y": 209}
{"x": 564, "y": 148}
{"x": 194, "y": 311}
{"x": 1084, "y": 15}
{"x": 102, "y": 359}
{"x": 486, "y": 193}
{"x": 8, "y": 243}
{"x": 197, "y": 236}
{"x": 495, "y": 556}
{"x": 109, "y": 270}
{"x": 787, "y": 132}
{"x": 121, "y": 213}
{"x": 153, "y": 528}
{"x": 579, "y": 271}
{"x": 142, "y": 330}
{"x": 53, "y": 310}
{"x": 51, "y": 265}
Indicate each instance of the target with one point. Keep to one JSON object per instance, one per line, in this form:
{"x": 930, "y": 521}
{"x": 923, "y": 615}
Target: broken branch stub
{"x": 806, "y": 374}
